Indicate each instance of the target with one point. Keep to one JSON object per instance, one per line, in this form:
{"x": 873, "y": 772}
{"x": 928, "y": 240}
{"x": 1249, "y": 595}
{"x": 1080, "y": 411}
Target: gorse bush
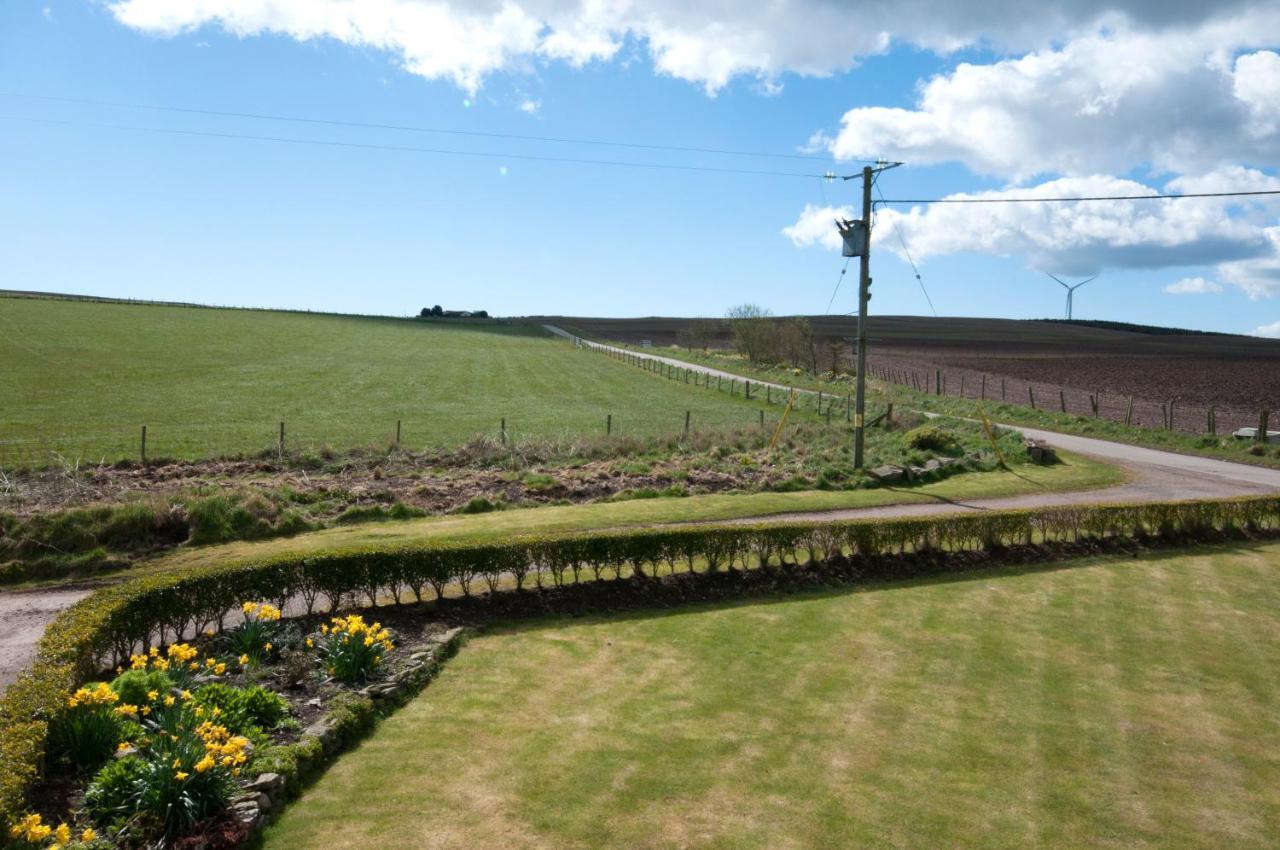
{"x": 114, "y": 621}
{"x": 931, "y": 438}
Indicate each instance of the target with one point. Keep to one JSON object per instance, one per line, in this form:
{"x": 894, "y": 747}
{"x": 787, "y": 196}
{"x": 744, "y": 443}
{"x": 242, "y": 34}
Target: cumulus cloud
{"x": 1272, "y": 331}
{"x": 1193, "y": 286}
{"x": 708, "y": 43}
{"x": 1086, "y": 238}
{"x": 530, "y": 106}
{"x": 1105, "y": 101}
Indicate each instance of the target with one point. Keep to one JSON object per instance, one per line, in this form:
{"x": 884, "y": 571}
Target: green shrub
{"x": 132, "y": 686}
{"x": 931, "y": 438}
{"x": 255, "y": 638}
{"x": 242, "y": 709}
{"x": 478, "y": 505}
{"x": 351, "y": 716}
{"x": 112, "y": 795}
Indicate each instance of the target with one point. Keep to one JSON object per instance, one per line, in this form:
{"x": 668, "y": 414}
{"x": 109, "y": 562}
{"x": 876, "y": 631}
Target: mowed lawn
{"x": 1110, "y": 703}
{"x": 81, "y": 378}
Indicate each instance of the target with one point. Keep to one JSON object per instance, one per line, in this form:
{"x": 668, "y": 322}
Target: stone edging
{"x": 263, "y": 799}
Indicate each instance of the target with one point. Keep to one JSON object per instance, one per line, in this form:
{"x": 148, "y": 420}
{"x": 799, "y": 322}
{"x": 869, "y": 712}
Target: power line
{"x": 209, "y": 134}
{"x": 1080, "y": 198}
{"x": 839, "y": 281}
{"x": 408, "y": 128}
{"x": 907, "y": 253}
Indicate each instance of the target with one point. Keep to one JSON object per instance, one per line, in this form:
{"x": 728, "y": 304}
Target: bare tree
{"x": 836, "y": 348}
{"x": 752, "y": 331}
{"x": 703, "y": 332}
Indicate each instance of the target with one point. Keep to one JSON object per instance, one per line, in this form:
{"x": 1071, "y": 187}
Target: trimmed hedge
{"x": 111, "y": 623}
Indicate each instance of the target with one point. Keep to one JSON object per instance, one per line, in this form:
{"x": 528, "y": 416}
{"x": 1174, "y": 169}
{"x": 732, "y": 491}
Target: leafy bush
{"x": 478, "y": 505}
{"x": 133, "y": 686}
{"x": 242, "y": 709}
{"x": 931, "y": 438}
{"x": 113, "y": 793}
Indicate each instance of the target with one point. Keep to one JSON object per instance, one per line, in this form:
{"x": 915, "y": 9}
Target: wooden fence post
{"x": 962, "y": 386}
{"x": 397, "y": 433}
{"x": 282, "y": 439}
{"x": 937, "y": 382}
{"x": 747, "y": 384}
{"x": 1171, "y": 414}
{"x": 1031, "y": 394}
{"x": 1093, "y": 404}
{"x": 686, "y": 423}
{"x": 1210, "y": 425}
{"x": 762, "y": 418}
{"x": 984, "y": 387}
{"x": 1128, "y": 413}
{"x": 1002, "y": 395}
{"x": 608, "y": 424}
{"x": 1062, "y": 400}
{"x": 1263, "y": 416}
{"x": 144, "y": 445}
{"x": 502, "y": 431}
{"x": 888, "y": 414}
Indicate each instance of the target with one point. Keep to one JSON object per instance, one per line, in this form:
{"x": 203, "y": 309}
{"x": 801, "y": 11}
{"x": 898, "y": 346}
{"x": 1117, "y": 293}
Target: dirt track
{"x": 1152, "y": 475}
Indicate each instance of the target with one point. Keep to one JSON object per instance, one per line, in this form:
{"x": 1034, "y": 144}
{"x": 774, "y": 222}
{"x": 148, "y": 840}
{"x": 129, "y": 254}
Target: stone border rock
{"x": 262, "y": 799}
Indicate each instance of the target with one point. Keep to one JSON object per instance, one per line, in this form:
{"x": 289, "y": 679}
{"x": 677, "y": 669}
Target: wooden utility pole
{"x": 864, "y": 295}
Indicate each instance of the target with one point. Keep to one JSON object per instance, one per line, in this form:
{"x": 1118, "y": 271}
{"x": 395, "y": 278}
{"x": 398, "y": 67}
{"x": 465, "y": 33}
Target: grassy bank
{"x": 1075, "y": 473}
{"x": 1120, "y": 703}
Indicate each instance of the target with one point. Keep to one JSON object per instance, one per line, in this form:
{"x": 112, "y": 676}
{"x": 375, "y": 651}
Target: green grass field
{"x": 81, "y": 378}
{"x": 1118, "y": 702}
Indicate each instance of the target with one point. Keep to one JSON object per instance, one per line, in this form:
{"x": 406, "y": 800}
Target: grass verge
{"x": 1121, "y": 703}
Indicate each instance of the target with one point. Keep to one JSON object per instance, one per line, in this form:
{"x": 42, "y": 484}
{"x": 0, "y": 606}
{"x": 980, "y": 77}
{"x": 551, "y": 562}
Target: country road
{"x": 1151, "y": 475}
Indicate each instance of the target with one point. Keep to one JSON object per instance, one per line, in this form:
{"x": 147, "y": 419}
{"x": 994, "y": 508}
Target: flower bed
{"x": 117, "y": 625}
{"x": 196, "y": 744}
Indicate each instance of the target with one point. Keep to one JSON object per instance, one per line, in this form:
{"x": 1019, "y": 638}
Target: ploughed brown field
{"x": 1238, "y": 375}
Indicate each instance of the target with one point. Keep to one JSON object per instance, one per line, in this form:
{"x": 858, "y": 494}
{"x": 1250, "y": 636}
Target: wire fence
{"x": 1174, "y": 415}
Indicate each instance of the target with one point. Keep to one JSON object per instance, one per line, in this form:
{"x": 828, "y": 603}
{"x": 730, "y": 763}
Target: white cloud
{"x": 707, "y": 43}
{"x": 1271, "y": 331}
{"x": 1258, "y": 276}
{"x": 816, "y": 226}
{"x": 1105, "y": 101}
{"x": 1193, "y": 286}
{"x": 1086, "y": 238}
{"x": 530, "y": 107}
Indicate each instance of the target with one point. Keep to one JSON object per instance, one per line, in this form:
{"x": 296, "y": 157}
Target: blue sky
{"x": 92, "y": 208}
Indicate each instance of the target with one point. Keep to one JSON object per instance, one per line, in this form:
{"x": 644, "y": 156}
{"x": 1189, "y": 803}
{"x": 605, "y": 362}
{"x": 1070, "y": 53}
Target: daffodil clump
{"x": 32, "y": 831}
{"x": 254, "y": 639}
{"x": 350, "y": 649}
{"x": 180, "y": 661}
{"x": 179, "y": 771}
{"x": 88, "y": 728}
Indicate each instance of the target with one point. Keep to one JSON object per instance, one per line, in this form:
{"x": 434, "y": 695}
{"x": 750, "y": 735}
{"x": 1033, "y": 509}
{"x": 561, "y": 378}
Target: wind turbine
{"x": 1071, "y": 290}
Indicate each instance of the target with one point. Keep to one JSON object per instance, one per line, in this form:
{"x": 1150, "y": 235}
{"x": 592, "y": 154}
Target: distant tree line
{"x": 767, "y": 340}
{"x": 439, "y": 312}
